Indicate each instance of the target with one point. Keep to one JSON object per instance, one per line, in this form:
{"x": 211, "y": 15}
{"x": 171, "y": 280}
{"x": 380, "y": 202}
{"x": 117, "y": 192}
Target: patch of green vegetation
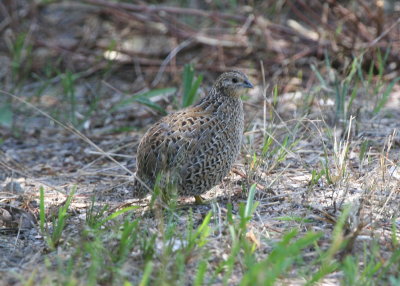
{"x": 273, "y": 152}
{"x": 58, "y": 222}
{"x": 191, "y": 84}
{"x": 144, "y": 98}
{"x": 316, "y": 177}
{"x": 354, "y": 83}
{"x": 121, "y": 248}
{"x": 285, "y": 255}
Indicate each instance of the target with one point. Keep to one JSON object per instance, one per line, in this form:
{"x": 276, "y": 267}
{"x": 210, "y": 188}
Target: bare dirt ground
{"x": 315, "y": 166}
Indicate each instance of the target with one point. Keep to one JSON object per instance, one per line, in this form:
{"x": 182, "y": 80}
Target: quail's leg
{"x": 199, "y": 200}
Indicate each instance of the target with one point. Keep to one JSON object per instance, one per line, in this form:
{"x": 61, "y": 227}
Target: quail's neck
{"x": 219, "y": 103}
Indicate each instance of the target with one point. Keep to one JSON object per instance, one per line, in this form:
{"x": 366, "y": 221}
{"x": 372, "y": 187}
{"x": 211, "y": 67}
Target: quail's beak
{"x": 247, "y": 84}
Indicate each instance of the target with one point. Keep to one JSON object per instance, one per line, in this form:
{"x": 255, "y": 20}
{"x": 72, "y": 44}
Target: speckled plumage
{"x": 195, "y": 147}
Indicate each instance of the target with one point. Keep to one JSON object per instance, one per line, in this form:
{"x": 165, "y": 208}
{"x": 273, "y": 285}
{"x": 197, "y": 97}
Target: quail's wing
{"x": 171, "y": 140}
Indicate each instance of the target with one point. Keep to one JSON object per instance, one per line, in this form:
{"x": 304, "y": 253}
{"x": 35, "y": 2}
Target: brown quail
{"x": 195, "y": 147}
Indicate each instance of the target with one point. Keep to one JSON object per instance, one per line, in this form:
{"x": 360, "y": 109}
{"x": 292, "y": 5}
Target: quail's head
{"x": 233, "y": 83}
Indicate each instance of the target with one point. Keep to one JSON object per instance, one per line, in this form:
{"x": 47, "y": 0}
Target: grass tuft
{"x": 191, "y": 84}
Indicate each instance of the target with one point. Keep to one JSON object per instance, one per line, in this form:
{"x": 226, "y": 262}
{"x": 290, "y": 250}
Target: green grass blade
{"x": 188, "y": 74}
{"x": 152, "y": 105}
{"x": 204, "y": 230}
{"x": 144, "y": 98}
{"x": 385, "y": 96}
{"x": 60, "y": 222}
{"x": 201, "y": 271}
{"x": 190, "y": 98}
{"x": 127, "y": 241}
{"x": 116, "y": 214}
{"x": 146, "y": 274}
{"x": 190, "y": 85}
{"x": 318, "y": 75}
{"x": 250, "y": 201}
{"x": 42, "y": 214}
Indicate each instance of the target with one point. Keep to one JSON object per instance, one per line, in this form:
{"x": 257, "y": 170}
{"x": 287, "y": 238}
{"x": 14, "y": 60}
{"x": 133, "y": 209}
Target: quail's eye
{"x": 234, "y": 80}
